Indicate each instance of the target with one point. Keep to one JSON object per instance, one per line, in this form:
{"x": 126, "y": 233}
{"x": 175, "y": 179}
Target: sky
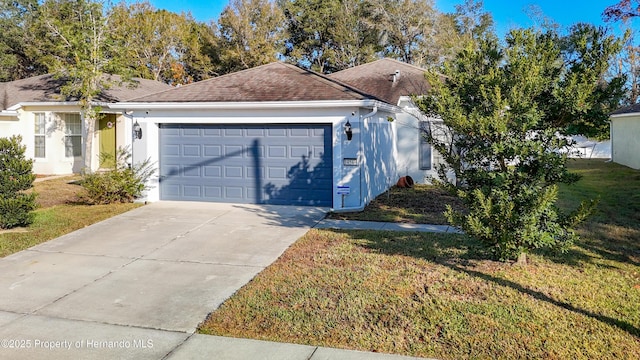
{"x": 506, "y": 13}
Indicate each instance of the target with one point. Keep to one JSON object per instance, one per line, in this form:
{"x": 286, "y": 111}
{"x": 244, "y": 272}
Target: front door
{"x": 107, "y": 128}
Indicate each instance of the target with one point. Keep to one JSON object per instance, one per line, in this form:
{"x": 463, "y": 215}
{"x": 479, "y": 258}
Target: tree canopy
{"x": 505, "y": 109}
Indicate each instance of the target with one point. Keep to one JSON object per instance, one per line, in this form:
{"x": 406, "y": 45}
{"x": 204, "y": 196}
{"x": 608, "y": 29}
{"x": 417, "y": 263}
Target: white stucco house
{"x": 625, "y": 136}
{"x": 279, "y": 134}
{"x": 396, "y": 82}
{"x": 52, "y": 127}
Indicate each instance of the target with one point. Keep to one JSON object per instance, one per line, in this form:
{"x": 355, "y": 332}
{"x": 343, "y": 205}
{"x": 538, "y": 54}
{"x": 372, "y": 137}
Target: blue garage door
{"x": 261, "y": 164}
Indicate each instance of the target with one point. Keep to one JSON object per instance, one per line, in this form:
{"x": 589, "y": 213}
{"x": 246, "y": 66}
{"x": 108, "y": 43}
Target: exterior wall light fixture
{"x": 137, "y": 131}
{"x": 347, "y": 130}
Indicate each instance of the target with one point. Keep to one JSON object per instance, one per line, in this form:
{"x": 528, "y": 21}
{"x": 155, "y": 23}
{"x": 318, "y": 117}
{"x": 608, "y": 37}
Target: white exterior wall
{"x": 379, "y": 154}
{"x": 55, "y": 162}
{"x": 364, "y": 181}
{"x": 625, "y": 139}
{"x": 408, "y": 143}
{"x": 9, "y": 125}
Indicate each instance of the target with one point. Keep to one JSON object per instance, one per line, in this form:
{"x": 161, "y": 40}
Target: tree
{"x": 75, "y": 40}
{"x": 158, "y": 44}
{"x": 407, "y": 29}
{"x": 329, "y": 35}
{"x": 501, "y": 105}
{"x": 628, "y": 62}
{"x": 584, "y": 97}
{"x": 15, "y": 176}
{"x": 17, "y": 58}
{"x": 623, "y": 10}
{"x": 472, "y": 21}
{"x": 250, "y": 33}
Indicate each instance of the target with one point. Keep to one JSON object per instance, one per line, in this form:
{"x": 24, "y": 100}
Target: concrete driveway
{"x": 137, "y": 285}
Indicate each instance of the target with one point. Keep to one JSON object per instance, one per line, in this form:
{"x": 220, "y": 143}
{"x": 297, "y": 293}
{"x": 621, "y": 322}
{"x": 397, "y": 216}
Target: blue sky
{"x": 506, "y": 13}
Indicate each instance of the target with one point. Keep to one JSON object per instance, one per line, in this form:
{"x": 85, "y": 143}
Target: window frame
{"x": 72, "y": 147}
{"x": 423, "y": 144}
{"x": 39, "y": 135}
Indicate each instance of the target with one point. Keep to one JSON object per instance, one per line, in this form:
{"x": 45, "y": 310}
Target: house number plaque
{"x": 350, "y": 162}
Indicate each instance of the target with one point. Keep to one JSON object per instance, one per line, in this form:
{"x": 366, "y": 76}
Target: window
{"x": 425, "y": 147}
{"x": 73, "y": 135}
{"x": 39, "y": 135}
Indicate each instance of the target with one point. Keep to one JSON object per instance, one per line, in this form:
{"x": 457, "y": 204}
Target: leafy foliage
{"x": 15, "y": 176}
{"x": 504, "y": 108}
{"x": 17, "y": 57}
{"x": 623, "y": 10}
{"x": 250, "y": 34}
{"x": 123, "y": 184}
{"x": 330, "y": 36}
{"x": 159, "y": 44}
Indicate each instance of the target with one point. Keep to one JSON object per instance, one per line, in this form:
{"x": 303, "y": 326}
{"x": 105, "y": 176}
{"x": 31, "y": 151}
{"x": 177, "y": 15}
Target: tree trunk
{"x": 89, "y": 120}
{"x": 522, "y": 259}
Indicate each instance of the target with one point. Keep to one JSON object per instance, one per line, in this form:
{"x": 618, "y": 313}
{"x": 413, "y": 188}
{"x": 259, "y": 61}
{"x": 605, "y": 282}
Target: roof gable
{"x": 386, "y": 79}
{"x": 631, "y": 109}
{"x": 46, "y": 88}
{"x": 276, "y": 81}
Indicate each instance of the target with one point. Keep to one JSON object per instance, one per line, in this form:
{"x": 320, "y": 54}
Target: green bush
{"x": 17, "y": 211}
{"x": 16, "y": 175}
{"x": 123, "y": 184}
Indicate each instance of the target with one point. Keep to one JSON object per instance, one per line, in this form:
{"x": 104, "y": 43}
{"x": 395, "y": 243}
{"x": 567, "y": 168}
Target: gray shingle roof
{"x": 635, "y": 108}
{"x": 46, "y": 88}
{"x": 377, "y": 78}
{"x": 271, "y": 82}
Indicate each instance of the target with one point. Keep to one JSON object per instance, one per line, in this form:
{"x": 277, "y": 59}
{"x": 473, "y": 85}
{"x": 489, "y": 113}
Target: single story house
{"x": 395, "y": 82}
{"x": 52, "y": 127}
{"x": 625, "y": 136}
{"x": 279, "y": 134}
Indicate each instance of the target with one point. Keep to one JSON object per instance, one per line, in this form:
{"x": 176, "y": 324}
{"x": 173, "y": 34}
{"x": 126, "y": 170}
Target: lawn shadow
{"x": 461, "y": 254}
{"x": 599, "y": 242}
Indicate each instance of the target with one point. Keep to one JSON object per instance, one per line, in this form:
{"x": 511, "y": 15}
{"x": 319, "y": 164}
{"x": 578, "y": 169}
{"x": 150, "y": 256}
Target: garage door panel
{"x": 233, "y": 151}
{"x": 272, "y": 164}
{"x": 212, "y": 172}
{"x": 277, "y": 151}
{"x": 192, "y": 191}
{"x": 300, "y": 151}
{"x": 191, "y": 132}
{"x": 234, "y": 192}
{"x": 191, "y": 150}
{"x": 253, "y": 172}
{"x": 230, "y": 132}
{"x": 212, "y": 132}
{"x": 213, "y": 192}
{"x": 212, "y": 150}
{"x": 277, "y": 173}
{"x": 255, "y": 132}
{"x": 277, "y": 132}
{"x": 304, "y": 132}
{"x": 192, "y": 171}
{"x": 233, "y": 172}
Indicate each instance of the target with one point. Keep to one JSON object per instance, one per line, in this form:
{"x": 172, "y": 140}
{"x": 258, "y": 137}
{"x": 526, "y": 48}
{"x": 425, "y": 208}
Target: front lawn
{"x": 57, "y": 215}
{"x": 421, "y": 204}
{"x": 436, "y": 295}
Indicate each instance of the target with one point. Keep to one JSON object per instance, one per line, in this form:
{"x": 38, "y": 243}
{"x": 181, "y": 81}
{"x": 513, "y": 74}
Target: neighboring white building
{"x": 625, "y": 136}
{"x": 584, "y": 148}
{"x": 52, "y": 128}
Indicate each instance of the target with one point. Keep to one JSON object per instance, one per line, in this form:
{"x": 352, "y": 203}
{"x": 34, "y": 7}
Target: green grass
{"x": 59, "y": 214}
{"x": 436, "y": 295}
{"x": 56, "y": 221}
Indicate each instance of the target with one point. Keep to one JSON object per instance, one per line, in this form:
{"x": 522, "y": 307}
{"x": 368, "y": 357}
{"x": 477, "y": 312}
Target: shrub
{"x": 123, "y": 184}
{"x": 15, "y": 176}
